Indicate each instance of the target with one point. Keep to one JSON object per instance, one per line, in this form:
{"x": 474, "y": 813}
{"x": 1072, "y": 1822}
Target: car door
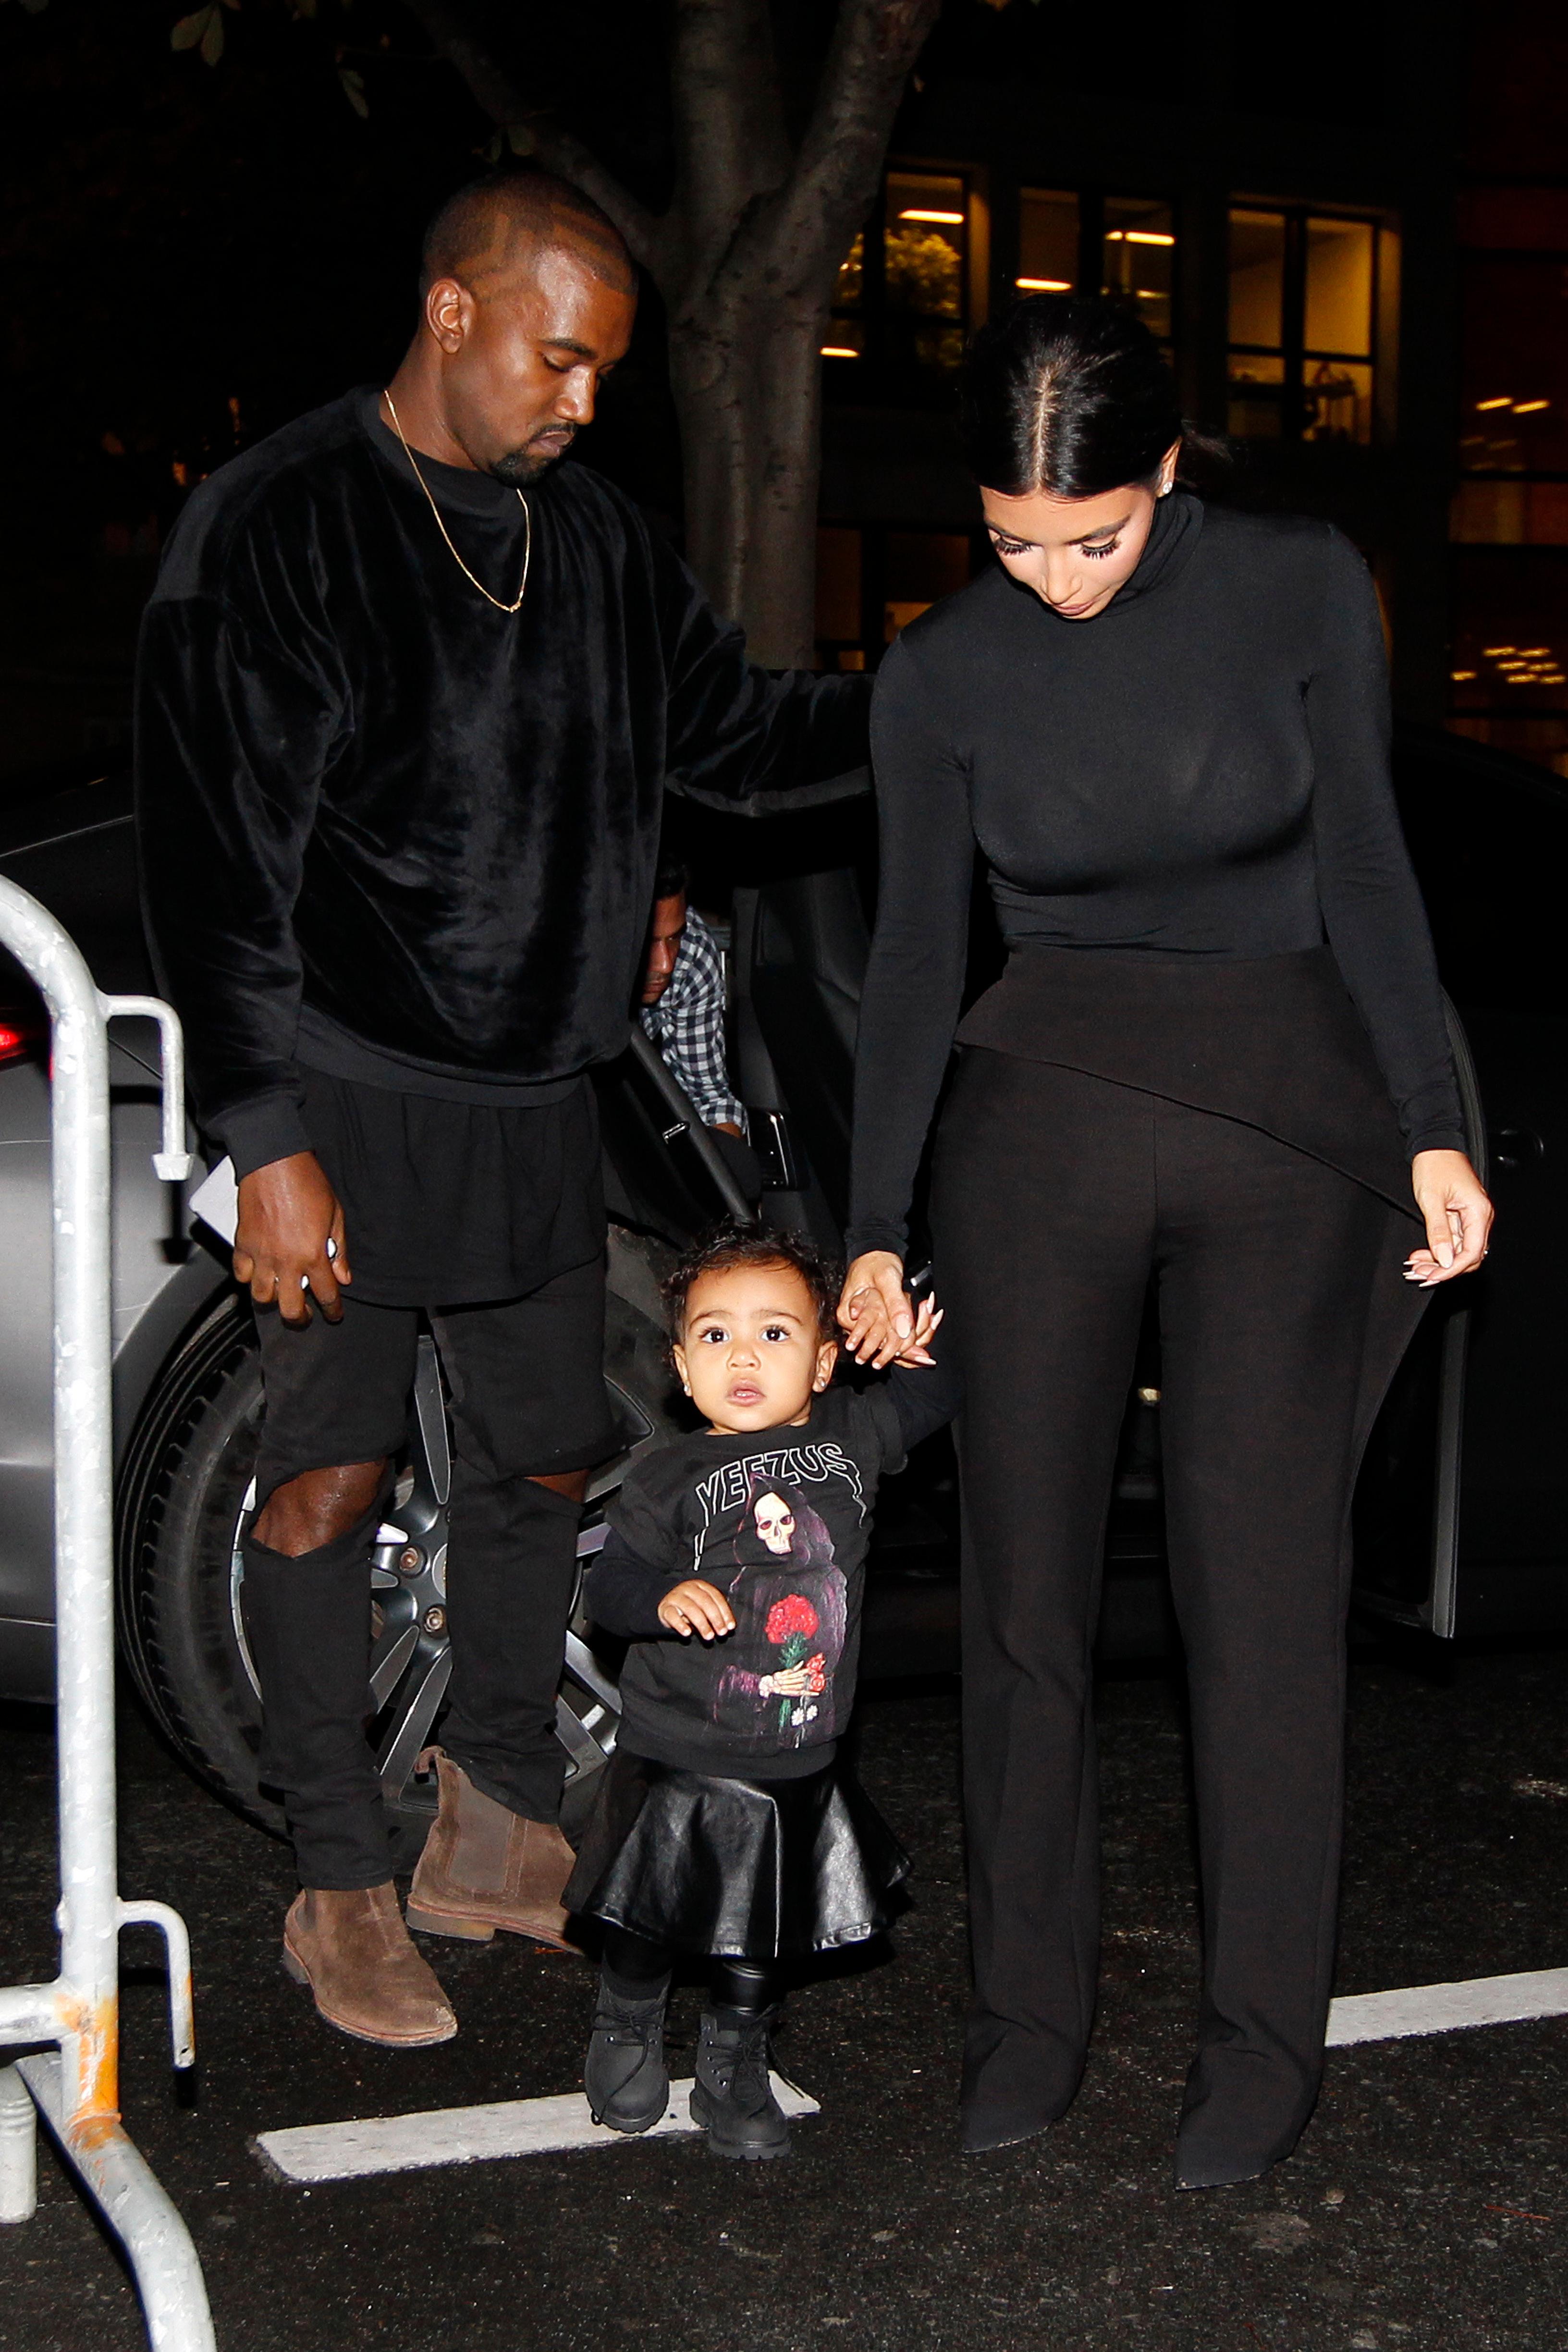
{"x": 1488, "y": 836}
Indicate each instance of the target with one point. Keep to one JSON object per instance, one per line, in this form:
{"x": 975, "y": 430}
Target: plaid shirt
{"x": 687, "y": 1024}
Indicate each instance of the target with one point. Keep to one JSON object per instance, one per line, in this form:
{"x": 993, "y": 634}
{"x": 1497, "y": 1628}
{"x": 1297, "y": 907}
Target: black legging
{"x": 1057, "y": 1196}
{"x": 637, "y": 1968}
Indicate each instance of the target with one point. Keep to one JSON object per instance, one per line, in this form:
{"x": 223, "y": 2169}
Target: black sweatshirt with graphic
{"x": 779, "y": 1520}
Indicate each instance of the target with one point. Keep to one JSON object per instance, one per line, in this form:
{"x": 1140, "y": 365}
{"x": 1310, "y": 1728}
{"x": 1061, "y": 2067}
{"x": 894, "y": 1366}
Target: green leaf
{"x": 521, "y": 138}
{"x": 213, "y": 39}
{"x": 353, "y": 90}
{"x": 189, "y": 29}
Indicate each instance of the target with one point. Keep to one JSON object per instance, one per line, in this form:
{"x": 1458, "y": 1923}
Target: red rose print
{"x": 793, "y": 1615}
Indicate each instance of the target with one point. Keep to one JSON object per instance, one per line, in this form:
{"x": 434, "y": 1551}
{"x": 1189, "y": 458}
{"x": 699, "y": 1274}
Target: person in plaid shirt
{"x": 683, "y": 1001}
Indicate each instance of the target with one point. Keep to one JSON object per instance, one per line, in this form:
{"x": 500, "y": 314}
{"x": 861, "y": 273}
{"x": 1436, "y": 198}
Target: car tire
{"x": 184, "y": 1494}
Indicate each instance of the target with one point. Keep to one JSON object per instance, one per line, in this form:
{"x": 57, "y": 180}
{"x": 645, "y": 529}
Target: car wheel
{"x": 187, "y": 1495}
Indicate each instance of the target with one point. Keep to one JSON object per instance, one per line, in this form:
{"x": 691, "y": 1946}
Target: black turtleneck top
{"x": 1199, "y": 771}
{"x": 395, "y": 835}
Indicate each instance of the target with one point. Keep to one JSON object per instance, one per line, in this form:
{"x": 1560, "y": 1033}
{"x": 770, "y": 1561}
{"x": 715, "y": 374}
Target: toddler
{"x": 736, "y": 1564}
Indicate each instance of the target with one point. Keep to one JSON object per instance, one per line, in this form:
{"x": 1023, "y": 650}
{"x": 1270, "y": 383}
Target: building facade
{"x": 1320, "y": 236}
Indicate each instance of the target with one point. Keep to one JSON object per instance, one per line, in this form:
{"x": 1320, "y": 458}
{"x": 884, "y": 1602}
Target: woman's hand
{"x": 696, "y": 1607}
{"x": 1457, "y": 1215}
{"x": 875, "y": 1310}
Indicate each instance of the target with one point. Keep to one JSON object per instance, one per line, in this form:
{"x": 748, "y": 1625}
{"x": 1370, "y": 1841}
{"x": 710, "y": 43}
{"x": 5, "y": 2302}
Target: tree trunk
{"x": 746, "y": 259}
{"x": 751, "y": 413}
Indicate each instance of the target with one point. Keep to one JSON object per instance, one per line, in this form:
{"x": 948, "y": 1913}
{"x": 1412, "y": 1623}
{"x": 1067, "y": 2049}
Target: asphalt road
{"x": 1427, "y": 2207}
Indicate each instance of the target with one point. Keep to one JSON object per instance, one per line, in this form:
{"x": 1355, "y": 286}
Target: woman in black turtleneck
{"x": 1217, "y": 1060}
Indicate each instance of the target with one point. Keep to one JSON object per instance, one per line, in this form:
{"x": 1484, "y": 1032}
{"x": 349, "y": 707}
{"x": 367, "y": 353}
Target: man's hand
{"x": 288, "y": 1214}
{"x": 1457, "y": 1214}
{"x": 697, "y": 1607}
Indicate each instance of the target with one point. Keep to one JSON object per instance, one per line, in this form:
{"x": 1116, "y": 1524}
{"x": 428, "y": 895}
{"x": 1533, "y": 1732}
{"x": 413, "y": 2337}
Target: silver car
{"x": 187, "y": 1386}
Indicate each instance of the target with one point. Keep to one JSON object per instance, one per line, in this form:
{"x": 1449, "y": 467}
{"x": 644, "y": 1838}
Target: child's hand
{"x": 916, "y": 1349}
{"x": 696, "y": 1608}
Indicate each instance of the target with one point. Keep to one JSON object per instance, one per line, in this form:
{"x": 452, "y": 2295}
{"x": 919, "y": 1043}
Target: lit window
{"x": 1303, "y": 306}
{"x": 901, "y": 303}
{"x": 1509, "y": 647}
{"x": 846, "y": 337}
{"x": 925, "y": 252}
{"x": 918, "y": 567}
{"x": 1514, "y": 376}
{"x": 1048, "y": 241}
{"x": 1139, "y": 259}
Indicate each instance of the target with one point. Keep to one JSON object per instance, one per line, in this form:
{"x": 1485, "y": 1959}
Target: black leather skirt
{"x": 748, "y": 1869}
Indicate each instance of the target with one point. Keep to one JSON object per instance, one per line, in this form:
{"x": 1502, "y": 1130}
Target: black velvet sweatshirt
{"x": 1200, "y": 771}
{"x": 392, "y": 833}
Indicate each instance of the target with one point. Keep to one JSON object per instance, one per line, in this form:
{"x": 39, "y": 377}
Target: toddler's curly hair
{"x": 728, "y": 1246}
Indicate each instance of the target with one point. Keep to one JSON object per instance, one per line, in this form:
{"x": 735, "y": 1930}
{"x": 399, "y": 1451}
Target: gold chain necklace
{"x": 527, "y": 523}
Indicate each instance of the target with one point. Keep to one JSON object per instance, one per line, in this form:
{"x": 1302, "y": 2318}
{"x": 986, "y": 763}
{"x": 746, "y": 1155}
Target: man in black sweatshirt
{"x": 409, "y": 697}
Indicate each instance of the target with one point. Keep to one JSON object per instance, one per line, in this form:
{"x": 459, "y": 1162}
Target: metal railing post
{"x": 78, "y": 2093}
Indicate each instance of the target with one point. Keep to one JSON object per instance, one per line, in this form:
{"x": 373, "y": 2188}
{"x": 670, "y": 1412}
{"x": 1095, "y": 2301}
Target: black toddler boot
{"x": 624, "y": 2076}
{"x": 732, "y": 2097}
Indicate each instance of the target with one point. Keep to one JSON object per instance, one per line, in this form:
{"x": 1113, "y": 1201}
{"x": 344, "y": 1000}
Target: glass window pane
{"x": 837, "y": 585}
{"x": 850, "y": 291}
{"x": 1338, "y": 401}
{"x": 1048, "y": 241}
{"x": 1514, "y": 368}
{"x": 1140, "y": 256}
{"x": 1257, "y": 394}
{"x": 927, "y": 218}
{"x": 1339, "y": 286}
{"x": 1510, "y": 666}
{"x": 1258, "y": 278}
{"x": 925, "y": 252}
{"x": 1510, "y": 513}
{"x": 921, "y": 566}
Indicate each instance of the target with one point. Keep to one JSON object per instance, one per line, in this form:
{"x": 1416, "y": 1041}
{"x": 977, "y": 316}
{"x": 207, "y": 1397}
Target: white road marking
{"x": 471, "y": 2135}
{"x": 349, "y": 2151}
{"x": 1444, "y": 2008}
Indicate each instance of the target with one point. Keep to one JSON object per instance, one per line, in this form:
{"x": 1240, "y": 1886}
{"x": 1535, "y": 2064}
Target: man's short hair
{"x": 486, "y": 230}
{"x": 731, "y": 1246}
{"x": 671, "y": 876}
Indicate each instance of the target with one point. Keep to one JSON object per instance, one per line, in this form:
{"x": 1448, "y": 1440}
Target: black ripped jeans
{"x": 528, "y": 1399}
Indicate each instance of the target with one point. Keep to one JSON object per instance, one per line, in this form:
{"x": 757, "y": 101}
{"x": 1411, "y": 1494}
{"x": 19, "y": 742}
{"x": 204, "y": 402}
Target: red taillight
{"x": 21, "y": 1039}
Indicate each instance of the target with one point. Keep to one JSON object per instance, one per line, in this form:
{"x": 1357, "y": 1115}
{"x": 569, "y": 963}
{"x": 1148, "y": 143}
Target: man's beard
{"x": 520, "y": 466}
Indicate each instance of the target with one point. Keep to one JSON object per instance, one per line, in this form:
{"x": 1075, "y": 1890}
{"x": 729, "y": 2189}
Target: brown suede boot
{"x": 485, "y": 1867}
{"x": 350, "y": 1946}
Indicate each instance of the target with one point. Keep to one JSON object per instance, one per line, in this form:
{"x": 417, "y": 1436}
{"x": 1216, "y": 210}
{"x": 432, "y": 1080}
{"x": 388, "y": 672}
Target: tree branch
{"x": 875, "y": 44}
{"x": 558, "y": 149}
{"x": 730, "y": 133}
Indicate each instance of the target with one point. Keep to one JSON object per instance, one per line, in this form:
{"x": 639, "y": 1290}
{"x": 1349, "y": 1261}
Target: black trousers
{"x": 528, "y": 1397}
{"x": 1057, "y": 1196}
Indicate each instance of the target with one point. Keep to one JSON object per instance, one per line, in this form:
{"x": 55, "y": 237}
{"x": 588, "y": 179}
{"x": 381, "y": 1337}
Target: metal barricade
{"x": 76, "y": 2092}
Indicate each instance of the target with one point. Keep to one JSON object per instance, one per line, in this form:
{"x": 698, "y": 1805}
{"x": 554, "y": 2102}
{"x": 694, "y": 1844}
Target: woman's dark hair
{"x": 1067, "y": 393}
{"x": 729, "y": 1246}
